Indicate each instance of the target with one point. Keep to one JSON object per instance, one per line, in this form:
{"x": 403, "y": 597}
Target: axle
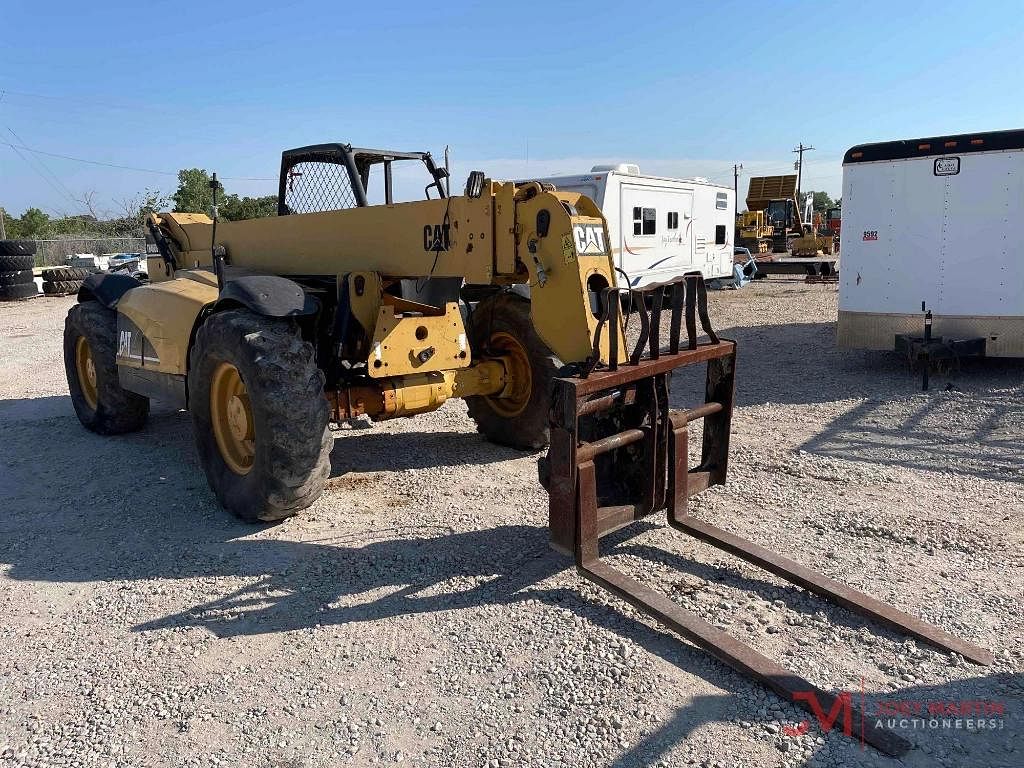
{"x": 398, "y": 396}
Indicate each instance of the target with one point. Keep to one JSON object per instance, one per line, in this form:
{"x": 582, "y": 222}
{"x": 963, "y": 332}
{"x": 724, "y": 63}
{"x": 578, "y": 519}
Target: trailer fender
{"x": 267, "y": 295}
{"x": 106, "y": 289}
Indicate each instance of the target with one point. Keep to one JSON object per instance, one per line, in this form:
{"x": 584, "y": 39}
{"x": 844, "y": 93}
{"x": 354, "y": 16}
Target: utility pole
{"x": 800, "y": 165}
{"x": 736, "y": 168}
{"x": 3, "y": 229}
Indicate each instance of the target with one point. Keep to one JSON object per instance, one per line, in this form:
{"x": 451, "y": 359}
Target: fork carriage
{"x": 619, "y": 453}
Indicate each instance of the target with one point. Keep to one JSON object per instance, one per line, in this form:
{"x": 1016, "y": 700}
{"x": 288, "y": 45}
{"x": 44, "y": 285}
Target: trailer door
{"x": 656, "y": 232}
{"x": 983, "y": 194}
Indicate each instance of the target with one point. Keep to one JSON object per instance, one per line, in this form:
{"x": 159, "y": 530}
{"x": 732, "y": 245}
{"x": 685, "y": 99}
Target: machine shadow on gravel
{"x": 333, "y": 585}
{"x": 997, "y": 747}
{"x": 890, "y": 421}
{"x": 372, "y": 450}
{"x": 933, "y": 435}
{"x": 800, "y": 364}
{"x": 83, "y": 508}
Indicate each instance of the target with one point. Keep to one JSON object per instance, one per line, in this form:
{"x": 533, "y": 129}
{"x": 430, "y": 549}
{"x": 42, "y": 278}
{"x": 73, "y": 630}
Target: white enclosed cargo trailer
{"x": 934, "y": 222}
{"x": 661, "y": 227}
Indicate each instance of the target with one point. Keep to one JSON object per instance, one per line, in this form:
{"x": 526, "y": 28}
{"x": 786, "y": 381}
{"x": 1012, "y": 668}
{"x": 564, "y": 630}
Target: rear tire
{"x": 504, "y": 321}
{"x": 61, "y": 274}
{"x": 102, "y": 405}
{"x": 278, "y": 460}
{"x": 18, "y": 249}
{"x": 10, "y": 262}
{"x": 16, "y": 277}
{"x": 19, "y": 291}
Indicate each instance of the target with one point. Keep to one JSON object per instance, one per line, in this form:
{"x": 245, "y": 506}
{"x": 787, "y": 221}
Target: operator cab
{"x": 333, "y": 177}
{"x": 781, "y": 214}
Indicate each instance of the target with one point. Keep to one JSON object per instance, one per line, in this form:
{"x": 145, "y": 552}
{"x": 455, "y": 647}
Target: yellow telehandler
{"x": 269, "y": 329}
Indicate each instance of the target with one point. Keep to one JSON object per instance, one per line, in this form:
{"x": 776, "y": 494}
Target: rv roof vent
{"x": 629, "y": 169}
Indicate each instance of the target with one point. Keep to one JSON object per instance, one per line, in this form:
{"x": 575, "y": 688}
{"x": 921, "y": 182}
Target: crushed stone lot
{"x": 416, "y": 615}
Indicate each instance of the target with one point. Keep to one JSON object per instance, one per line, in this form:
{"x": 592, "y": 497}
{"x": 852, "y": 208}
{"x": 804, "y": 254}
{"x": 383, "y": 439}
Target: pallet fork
{"x": 619, "y": 453}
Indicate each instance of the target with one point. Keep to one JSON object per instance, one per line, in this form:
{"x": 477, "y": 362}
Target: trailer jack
{"x": 619, "y": 453}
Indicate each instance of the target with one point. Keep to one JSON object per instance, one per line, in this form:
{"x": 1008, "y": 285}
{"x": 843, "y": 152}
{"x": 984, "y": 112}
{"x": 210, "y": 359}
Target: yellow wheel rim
{"x": 519, "y": 376}
{"x": 86, "y": 369}
{"x": 231, "y": 415}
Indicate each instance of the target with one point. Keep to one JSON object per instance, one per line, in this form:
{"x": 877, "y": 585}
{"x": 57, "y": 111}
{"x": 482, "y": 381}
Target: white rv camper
{"x": 934, "y": 221}
{"x": 660, "y": 227}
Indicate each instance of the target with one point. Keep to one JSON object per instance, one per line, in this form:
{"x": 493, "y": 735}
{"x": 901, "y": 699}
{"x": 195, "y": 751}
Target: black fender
{"x": 107, "y": 289}
{"x": 267, "y": 295}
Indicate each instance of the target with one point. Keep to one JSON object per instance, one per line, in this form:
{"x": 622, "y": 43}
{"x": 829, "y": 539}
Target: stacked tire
{"x": 17, "y": 257}
{"x": 61, "y": 281}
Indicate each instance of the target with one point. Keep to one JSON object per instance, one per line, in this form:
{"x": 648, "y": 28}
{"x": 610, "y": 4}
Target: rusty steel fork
{"x": 618, "y": 453}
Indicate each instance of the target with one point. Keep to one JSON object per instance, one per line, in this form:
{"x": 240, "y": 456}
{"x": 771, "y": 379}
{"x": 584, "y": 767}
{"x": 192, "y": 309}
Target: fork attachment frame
{"x": 618, "y": 453}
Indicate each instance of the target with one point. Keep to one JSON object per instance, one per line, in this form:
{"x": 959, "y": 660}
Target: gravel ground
{"x": 416, "y": 615}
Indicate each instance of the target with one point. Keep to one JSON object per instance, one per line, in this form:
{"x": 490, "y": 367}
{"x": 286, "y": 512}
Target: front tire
{"x": 102, "y": 405}
{"x": 259, "y": 415}
{"x": 501, "y": 326}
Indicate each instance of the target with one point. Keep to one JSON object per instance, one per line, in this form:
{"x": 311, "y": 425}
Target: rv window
{"x": 673, "y": 220}
{"x": 644, "y": 221}
{"x": 720, "y": 234}
{"x": 650, "y": 223}
{"x": 721, "y": 202}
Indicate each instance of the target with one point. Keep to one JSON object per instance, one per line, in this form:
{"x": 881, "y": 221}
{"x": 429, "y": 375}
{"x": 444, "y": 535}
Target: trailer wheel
{"x": 259, "y": 415}
{"x": 501, "y": 326}
{"x": 102, "y": 405}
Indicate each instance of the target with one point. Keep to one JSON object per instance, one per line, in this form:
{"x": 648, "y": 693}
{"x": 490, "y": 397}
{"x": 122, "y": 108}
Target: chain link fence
{"x": 53, "y": 252}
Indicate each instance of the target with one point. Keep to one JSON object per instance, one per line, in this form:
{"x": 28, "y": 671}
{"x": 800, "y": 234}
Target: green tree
{"x": 236, "y": 208}
{"x": 822, "y": 202}
{"x": 194, "y": 194}
{"x": 33, "y": 224}
{"x": 12, "y": 225}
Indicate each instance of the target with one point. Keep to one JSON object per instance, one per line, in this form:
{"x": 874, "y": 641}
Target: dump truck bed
{"x": 765, "y": 188}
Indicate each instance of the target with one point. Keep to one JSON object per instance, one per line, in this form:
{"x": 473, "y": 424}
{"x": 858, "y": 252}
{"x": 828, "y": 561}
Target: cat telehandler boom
{"x": 267, "y": 330}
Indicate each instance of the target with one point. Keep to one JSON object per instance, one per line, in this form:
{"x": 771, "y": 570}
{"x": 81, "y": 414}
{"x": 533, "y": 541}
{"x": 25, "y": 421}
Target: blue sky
{"x": 681, "y": 88}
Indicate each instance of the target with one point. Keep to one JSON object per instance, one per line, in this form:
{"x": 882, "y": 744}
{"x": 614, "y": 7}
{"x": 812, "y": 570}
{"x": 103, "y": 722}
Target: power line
{"x": 90, "y": 101}
{"x": 44, "y": 177}
{"x": 67, "y": 192}
{"x": 126, "y": 167}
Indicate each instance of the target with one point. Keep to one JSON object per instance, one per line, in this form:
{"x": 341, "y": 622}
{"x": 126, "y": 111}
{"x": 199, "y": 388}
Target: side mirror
{"x": 475, "y": 184}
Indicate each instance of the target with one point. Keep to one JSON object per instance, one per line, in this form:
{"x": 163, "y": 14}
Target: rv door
{"x": 656, "y": 232}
